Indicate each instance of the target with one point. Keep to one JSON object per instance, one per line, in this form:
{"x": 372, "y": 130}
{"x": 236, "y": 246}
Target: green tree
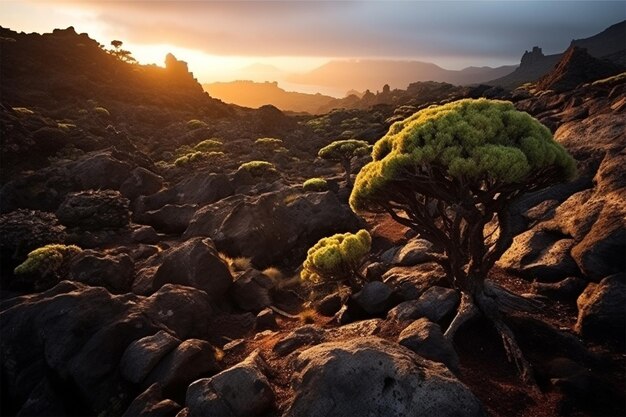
{"x": 451, "y": 173}
{"x": 120, "y": 53}
{"x": 344, "y": 151}
{"x": 337, "y": 258}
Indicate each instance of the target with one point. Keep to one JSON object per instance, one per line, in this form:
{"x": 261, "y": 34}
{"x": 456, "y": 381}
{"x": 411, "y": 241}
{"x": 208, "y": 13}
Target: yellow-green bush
{"x": 189, "y": 158}
{"x": 48, "y": 259}
{"x": 315, "y": 184}
{"x": 194, "y": 124}
{"x": 343, "y": 151}
{"x": 101, "y": 111}
{"x": 209, "y": 145}
{"x": 337, "y": 258}
{"x": 268, "y": 142}
{"x": 258, "y": 168}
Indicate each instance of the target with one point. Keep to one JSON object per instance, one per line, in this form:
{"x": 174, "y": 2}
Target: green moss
{"x": 473, "y": 141}
{"x": 189, "y": 158}
{"x": 258, "y": 168}
{"x": 337, "y": 257}
{"x": 48, "y": 259}
{"x": 101, "y": 111}
{"x": 268, "y": 142}
{"x": 315, "y": 184}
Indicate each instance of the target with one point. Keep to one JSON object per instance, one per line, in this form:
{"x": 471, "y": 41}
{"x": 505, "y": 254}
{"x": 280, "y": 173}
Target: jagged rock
{"x": 251, "y": 290}
{"x": 171, "y": 218}
{"x": 413, "y": 253}
{"x": 601, "y": 313}
{"x": 191, "y": 360}
{"x": 274, "y": 226}
{"x": 141, "y": 356}
{"x": 114, "y": 272}
{"x": 194, "y": 263}
{"x": 374, "y": 297}
{"x": 426, "y": 339}
{"x": 567, "y": 289}
{"x": 25, "y": 230}
{"x": 94, "y": 210}
{"x": 411, "y": 282}
{"x": 329, "y": 305}
{"x": 240, "y": 391}
{"x": 141, "y": 182}
{"x": 369, "y": 375}
{"x": 375, "y": 271}
{"x": 436, "y": 303}
{"x": 150, "y": 403}
{"x": 305, "y": 335}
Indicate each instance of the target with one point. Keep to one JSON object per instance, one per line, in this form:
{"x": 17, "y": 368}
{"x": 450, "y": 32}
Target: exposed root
{"x": 509, "y": 302}
{"x": 466, "y": 311}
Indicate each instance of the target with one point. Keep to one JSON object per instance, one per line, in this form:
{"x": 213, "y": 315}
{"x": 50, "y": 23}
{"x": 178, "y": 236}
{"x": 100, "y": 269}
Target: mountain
{"x": 369, "y": 74}
{"x": 576, "y": 67}
{"x": 609, "y": 44}
{"x": 253, "y": 94}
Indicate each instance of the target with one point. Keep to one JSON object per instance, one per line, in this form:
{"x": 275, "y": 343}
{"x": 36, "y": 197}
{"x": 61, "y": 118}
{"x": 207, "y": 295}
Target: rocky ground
{"x": 184, "y": 299}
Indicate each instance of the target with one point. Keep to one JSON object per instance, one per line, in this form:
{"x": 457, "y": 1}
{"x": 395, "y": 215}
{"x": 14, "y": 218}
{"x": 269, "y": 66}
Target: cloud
{"x": 483, "y": 30}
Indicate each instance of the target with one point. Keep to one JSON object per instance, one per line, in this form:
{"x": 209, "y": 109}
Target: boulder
{"x": 601, "y": 311}
{"x": 194, "y": 263}
{"x": 413, "y": 253}
{"x": 141, "y": 356}
{"x": 141, "y": 182}
{"x": 100, "y": 172}
{"x": 372, "y": 376}
{"x": 374, "y": 297}
{"x": 426, "y": 339}
{"x": 273, "y": 227}
{"x": 411, "y": 282}
{"x": 114, "y": 272}
{"x": 251, "y": 290}
{"x": 329, "y": 305}
{"x": 94, "y": 210}
{"x": 191, "y": 360}
{"x": 266, "y": 320}
{"x": 435, "y": 304}
{"x": 150, "y": 403}
{"x": 240, "y": 391}
{"x": 171, "y": 218}
{"x": 145, "y": 234}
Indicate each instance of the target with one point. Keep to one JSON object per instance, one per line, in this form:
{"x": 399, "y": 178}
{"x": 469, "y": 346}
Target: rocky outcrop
{"x": 274, "y": 227}
{"x": 94, "y": 210}
{"x": 371, "y": 375}
{"x": 113, "y": 271}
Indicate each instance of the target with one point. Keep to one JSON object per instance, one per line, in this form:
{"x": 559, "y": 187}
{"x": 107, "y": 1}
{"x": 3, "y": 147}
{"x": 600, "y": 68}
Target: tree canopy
{"x": 481, "y": 143}
{"x": 342, "y": 149}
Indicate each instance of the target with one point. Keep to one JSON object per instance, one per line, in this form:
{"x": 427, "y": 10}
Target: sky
{"x": 223, "y": 41}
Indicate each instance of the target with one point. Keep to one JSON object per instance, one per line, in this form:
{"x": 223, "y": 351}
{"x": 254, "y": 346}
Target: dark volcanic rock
{"x": 426, "y": 339}
{"x": 101, "y": 172}
{"x": 95, "y": 210}
{"x": 251, "y": 290}
{"x": 240, "y": 391}
{"x": 141, "y": 356}
{"x": 151, "y": 404}
{"x": 114, "y": 272}
{"x": 141, "y": 182}
{"x": 371, "y": 375}
{"x": 274, "y": 227}
{"x": 374, "y": 297}
{"x": 436, "y": 303}
{"x": 194, "y": 263}
{"x": 171, "y": 218}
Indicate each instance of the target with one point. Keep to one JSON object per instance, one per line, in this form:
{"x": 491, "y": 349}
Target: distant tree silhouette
{"x": 120, "y": 53}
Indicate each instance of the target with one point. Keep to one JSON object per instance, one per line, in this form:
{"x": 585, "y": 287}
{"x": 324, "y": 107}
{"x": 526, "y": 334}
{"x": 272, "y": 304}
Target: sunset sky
{"x": 218, "y": 39}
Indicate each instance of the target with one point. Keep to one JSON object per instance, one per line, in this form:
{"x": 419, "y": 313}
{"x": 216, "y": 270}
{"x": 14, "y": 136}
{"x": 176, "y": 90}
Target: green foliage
{"x": 482, "y": 142}
{"x": 315, "y": 184}
{"x": 23, "y": 111}
{"x": 341, "y": 150}
{"x": 101, "y": 111}
{"x": 336, "y": 258}
{"x": 258, "y": 168}
{"x": 189, "y": 158}
{"x": 48, "y": 259}
{"x": 195, "y": 124}
{"x": 209, "y": 145}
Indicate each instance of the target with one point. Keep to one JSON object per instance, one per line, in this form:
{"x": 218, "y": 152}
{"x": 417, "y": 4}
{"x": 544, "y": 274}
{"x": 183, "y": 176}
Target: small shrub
{"x": 315, "y": 184}
{"x": 49, "y": 259}
{"x": 273, "y": 273}
{"x": 189, "y": 159}
{"x": 307, "y": 316}
{"x": 258, "y": 168}
{"x": 209, "y": 145}
{"x": 195, "y": 124}
{"x": 268, "y": 142}
{"x": 237, "y": 264}
{"x": 101, "y": 111}
{"x": 337, "y": 258}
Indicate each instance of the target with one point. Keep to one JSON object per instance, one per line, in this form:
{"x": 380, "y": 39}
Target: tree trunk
{"x": 347, "y": 167}
{"x": 479, "y": 298}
